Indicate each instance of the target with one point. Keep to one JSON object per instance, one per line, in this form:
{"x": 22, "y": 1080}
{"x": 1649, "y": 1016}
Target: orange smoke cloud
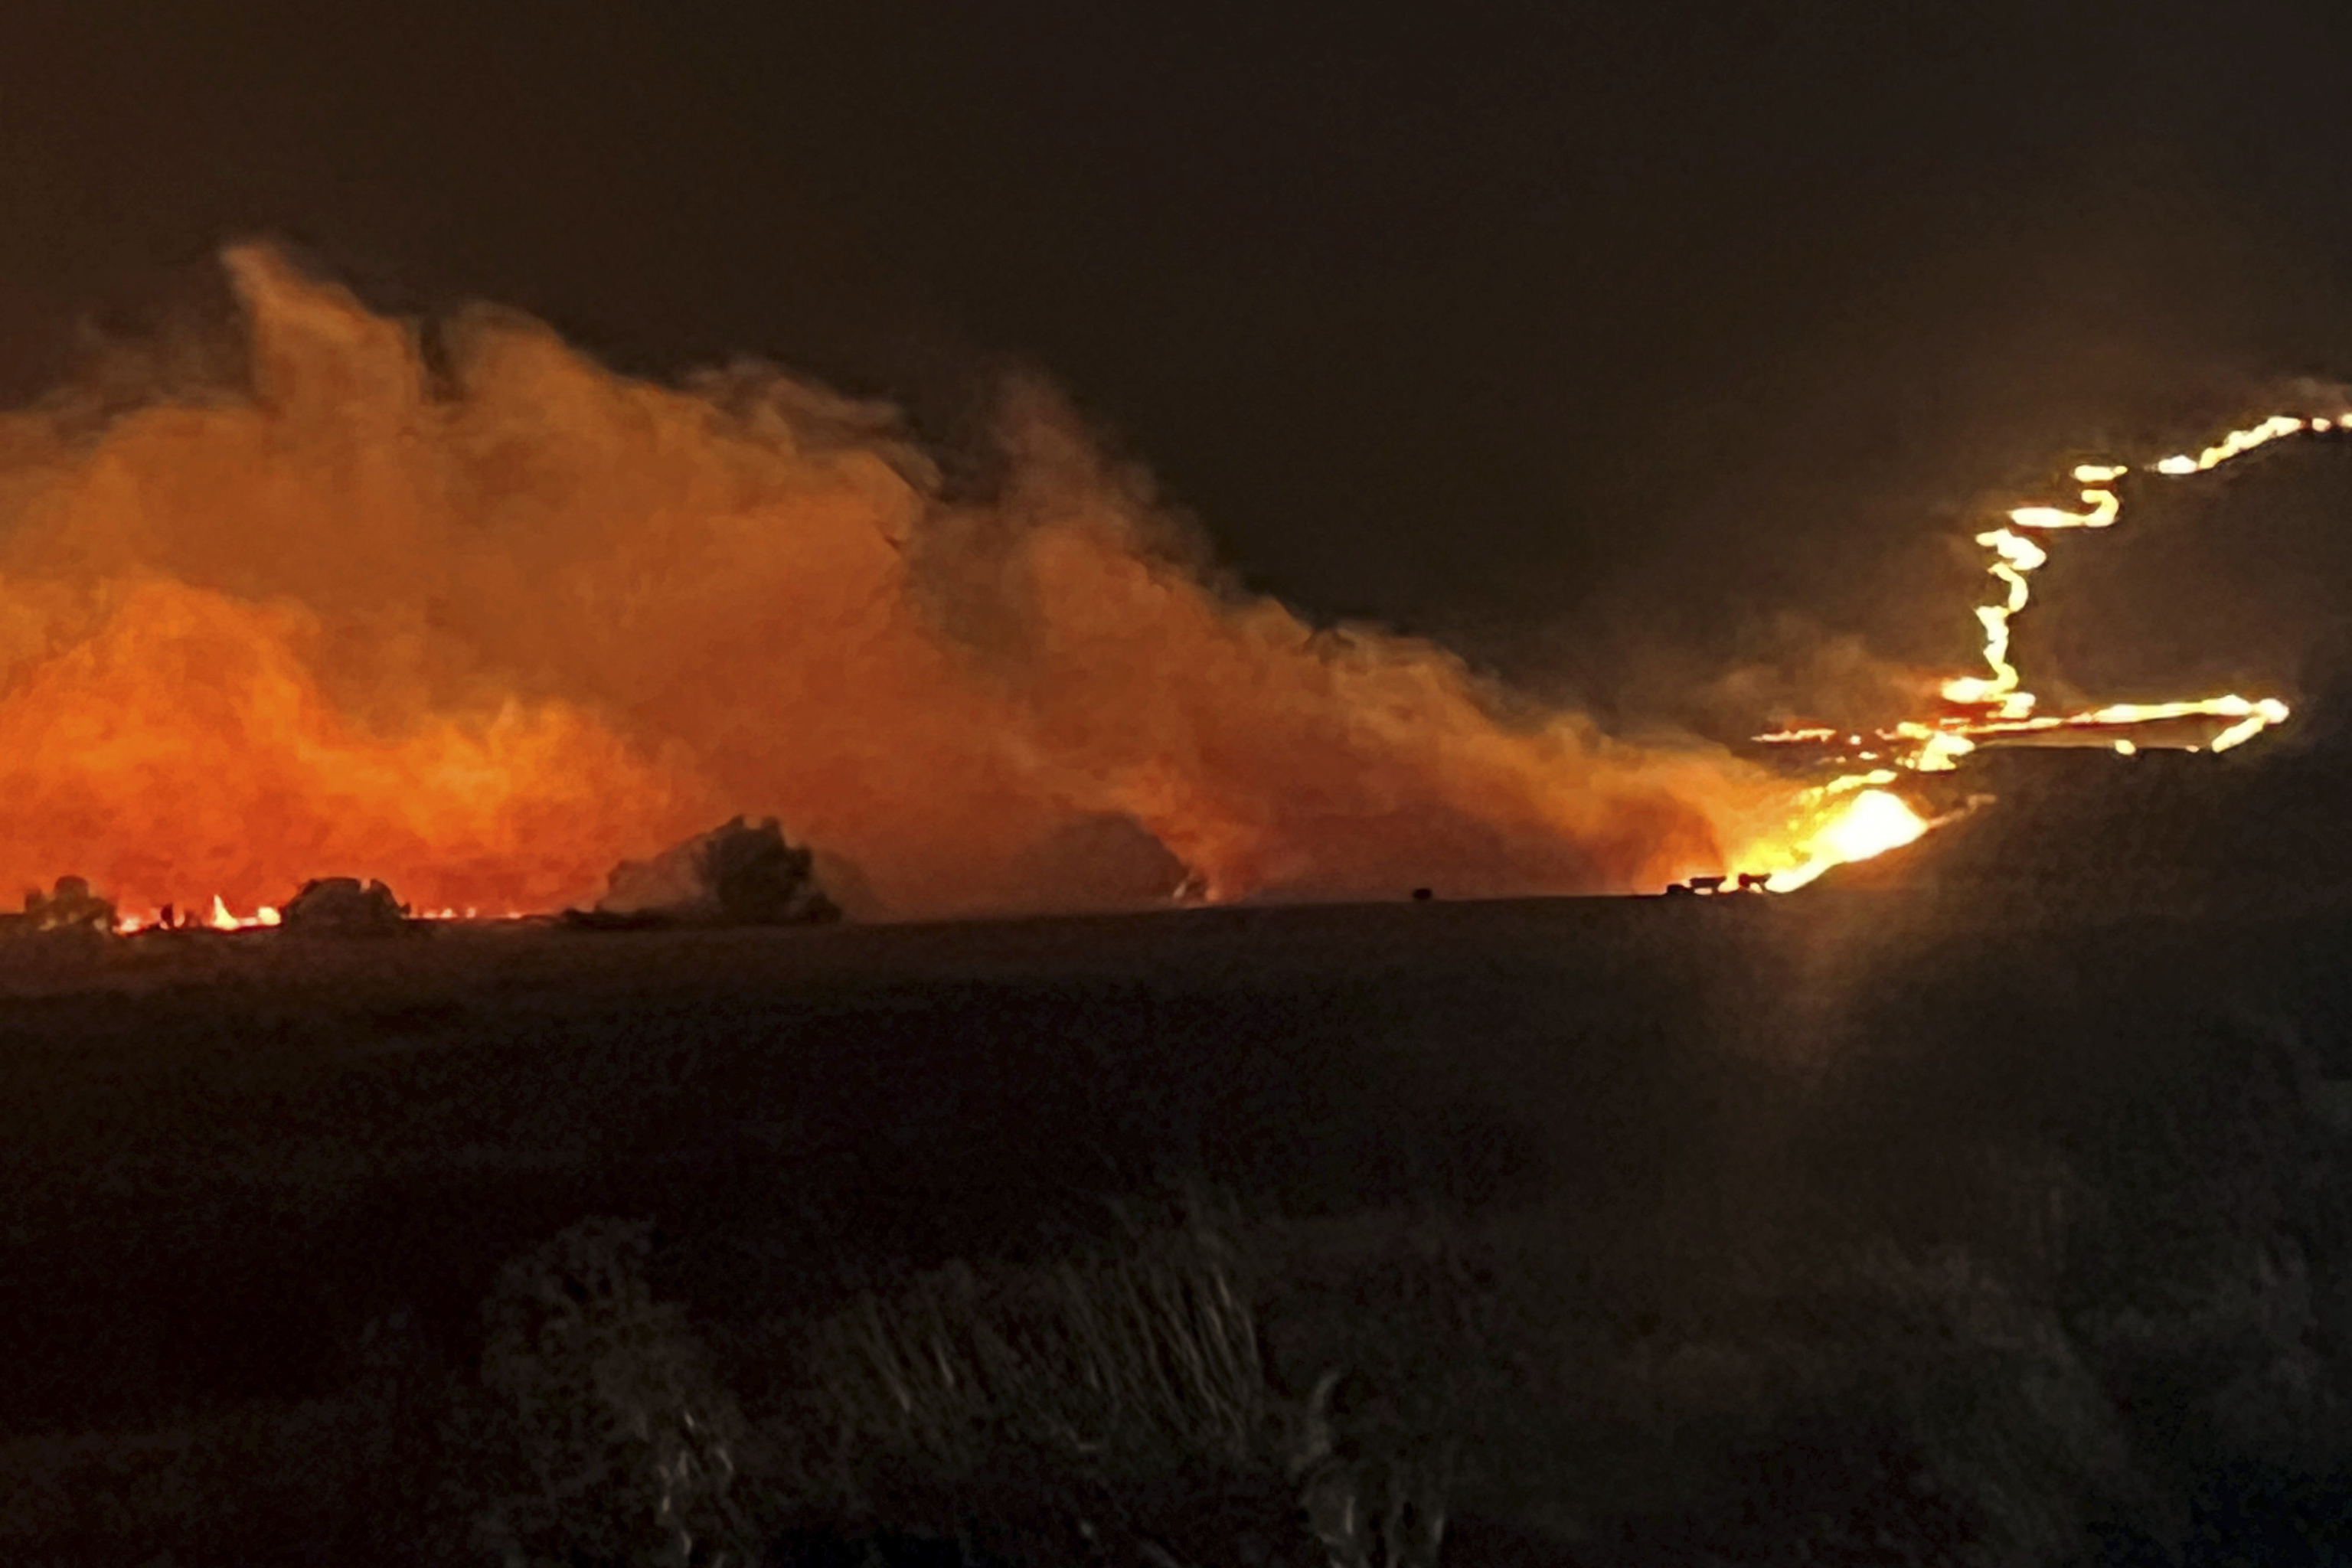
{"x": 486, "y": 621}
{"x": 184, "y": 744}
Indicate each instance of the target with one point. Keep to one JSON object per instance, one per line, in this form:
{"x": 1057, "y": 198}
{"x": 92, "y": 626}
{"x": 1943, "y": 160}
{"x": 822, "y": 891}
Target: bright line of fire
{"x": 1995, "y": 705}
{"x": 221, "y": 917}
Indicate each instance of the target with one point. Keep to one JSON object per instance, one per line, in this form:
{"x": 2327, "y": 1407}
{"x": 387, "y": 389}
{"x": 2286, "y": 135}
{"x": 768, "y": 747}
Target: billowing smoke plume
{"x": 485, "y": 621}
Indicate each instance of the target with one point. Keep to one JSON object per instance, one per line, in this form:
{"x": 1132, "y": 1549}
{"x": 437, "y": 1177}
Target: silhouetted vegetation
{"x": 2001, "y": 1263}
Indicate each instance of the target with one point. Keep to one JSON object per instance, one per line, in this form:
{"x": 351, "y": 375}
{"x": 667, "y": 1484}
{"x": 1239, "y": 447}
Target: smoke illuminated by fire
{"x": 485, "y": 621}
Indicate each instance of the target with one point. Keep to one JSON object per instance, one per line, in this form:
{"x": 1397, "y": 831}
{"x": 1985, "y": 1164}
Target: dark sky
{"x": 1569, "y": 332}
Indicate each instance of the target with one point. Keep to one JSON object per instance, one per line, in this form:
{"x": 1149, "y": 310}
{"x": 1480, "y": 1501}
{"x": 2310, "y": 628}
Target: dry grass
{"x": 1105, "y": 1362}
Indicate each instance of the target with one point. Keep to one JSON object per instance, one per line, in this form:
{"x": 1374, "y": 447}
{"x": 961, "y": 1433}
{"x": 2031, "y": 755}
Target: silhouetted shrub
{"x": 602, "y": 1437}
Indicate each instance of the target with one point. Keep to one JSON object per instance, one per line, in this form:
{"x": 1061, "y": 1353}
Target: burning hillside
{"x": 471, "y": 614}
{"x": 1995, "y": 708}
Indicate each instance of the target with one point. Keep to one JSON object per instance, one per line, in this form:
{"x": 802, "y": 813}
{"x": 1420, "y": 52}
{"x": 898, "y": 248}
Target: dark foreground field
{"x": 1859, "y": 1226}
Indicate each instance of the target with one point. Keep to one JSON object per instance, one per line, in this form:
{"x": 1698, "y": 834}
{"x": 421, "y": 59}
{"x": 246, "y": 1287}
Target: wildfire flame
{"x": 1871, "y": 823}
{"x": 1995, "y": 705}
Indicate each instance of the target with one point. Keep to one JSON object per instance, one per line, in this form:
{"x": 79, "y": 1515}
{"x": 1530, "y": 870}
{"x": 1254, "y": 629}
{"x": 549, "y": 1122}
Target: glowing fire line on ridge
{"x": 1995, "y": 705}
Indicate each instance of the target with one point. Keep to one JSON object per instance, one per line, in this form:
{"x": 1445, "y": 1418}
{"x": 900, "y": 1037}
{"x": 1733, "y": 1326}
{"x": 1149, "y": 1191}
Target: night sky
{"x": 1616, "y": 345}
